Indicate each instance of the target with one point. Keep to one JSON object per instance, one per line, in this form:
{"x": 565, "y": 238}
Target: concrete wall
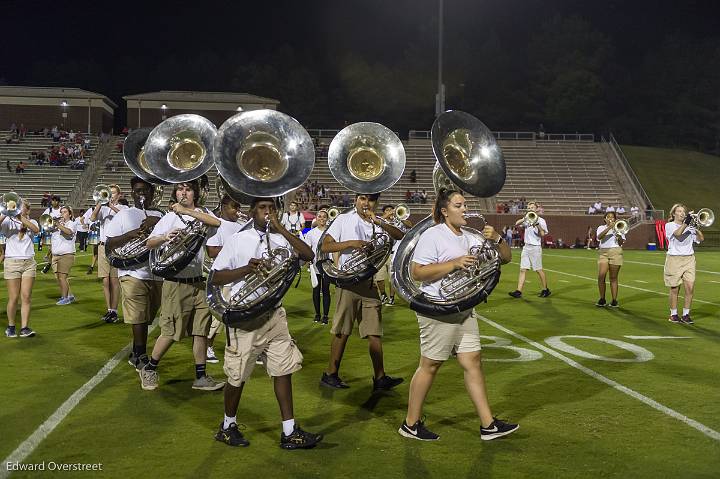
{"x": 41, "y": 116}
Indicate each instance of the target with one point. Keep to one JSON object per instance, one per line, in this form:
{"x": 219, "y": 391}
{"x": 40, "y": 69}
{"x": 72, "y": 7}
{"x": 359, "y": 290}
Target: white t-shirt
{"x": 243, "y": 246}
{"x": 347, "y": 227}
{"x": 609, "y": 208}
{"x": 532, "y": 236}
{"x": 682, "y": 246}
{"x": 62, "y": 244}
{"x": 439, "y": 244}
{"x": 293, "y": 222}
{"x": 312, "y": 238}
{"x": 54, "y": 212}
{"x": 224, "y": 232}
{"x": 14, "y": 246}
{"x": 126, "y": 220}
{"x": 172, "y": 221}
{"x": 609, "y": 241}
{"x": 105, "y": 216}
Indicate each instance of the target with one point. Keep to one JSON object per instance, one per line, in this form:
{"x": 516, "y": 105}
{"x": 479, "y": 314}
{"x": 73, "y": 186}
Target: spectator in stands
{"x": 635, "y": 211}
{"x": 346, "y": 200}
{"x": 45, "y": 202}
{"x": 20, "y": 168}
{"x": 9, "y": 168}
{"x": 423, "y": 196}
{"x": 508, "y": 235}
{"x": 610, "y": 209}
{"x": 408, "y": 196}
{"x": 541, "y": 131}
{"x": 413, "y": 176}
{"x": 591, "y": 210}
{"x": 648, "y": 211}
{"x": 620, "y": 210}
{"x": 598, "y": 207}
{"x": 23, "y": 130}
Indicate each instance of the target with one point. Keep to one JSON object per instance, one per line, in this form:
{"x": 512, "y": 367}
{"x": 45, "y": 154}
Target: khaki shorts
{"x": 359, "y": 303}
{"x": 613, "y": 256}
{"x": 385, "y": 271}
{"x": 442, "y": 336}
{"x": 267, "y": 334}
{"x": 17, "y": 268}
{"x": 531, "y": 257}
{"x": 185, "y": 311}
{"x": 63, "y": 263}
{"x": 215, "y": 327}
{"x": 104, "y": 268}
{"x": 140, "y": 299}
{"x": 679, "y": 269}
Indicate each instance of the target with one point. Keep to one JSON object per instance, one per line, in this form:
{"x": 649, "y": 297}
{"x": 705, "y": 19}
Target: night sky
{"x": 121, "y": 48}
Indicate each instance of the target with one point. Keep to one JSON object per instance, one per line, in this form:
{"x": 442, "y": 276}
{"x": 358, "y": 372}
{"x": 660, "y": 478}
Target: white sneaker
{"x": 211, "y": 358}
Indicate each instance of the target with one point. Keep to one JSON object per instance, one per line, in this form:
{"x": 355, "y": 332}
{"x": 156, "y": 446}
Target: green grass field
{"x": 572, "y": 423}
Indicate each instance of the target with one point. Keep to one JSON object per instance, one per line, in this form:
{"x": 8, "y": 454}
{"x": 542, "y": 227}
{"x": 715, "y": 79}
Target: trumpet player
{"x": 531, "y": 256}
{"x": 267, "y": 333}
{"x": 385, "y": 272}
{"x": 610, "y": 256}
{"x": 141, "y": 290}
{"x": 185, "y": 311}
{"x": 680, "y": 260}
{"x": 441, "y": 250}
{"x": 63, "y": 253}
{"x": 361, "y": 302}
{"x": 45, "y": 238}
{"x": 293, "y": 220}
{"x": 321, "y": 282}
{"x": 104, "y": 213}
{"x": 20, "y": 267}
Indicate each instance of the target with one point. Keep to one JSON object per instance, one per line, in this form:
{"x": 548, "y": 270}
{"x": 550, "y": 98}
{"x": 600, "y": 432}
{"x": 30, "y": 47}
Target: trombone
{"x": 402, "y": 212}
{"x": 621, "y": 228}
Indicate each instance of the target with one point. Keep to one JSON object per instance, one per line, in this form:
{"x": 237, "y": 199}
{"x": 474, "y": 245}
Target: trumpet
{"x": 704, "y": 218}
{"x": 101, "y": 194}
{"x": 402, "y": 212}
{"x": 530, "y": 218}
{"x": 332, "y": 212}
{"x": 10, "y": 204}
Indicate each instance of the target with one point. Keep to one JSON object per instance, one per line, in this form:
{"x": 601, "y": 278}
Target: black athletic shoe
{"x": 687, "y": 319}
{"x": 141, "y": 362}
{"x": 46, "y": 268}
{"x": 674, "y": 318}
{"x": 299, "y": 439}
{"x": 317, "y": 318}
{"x": 418, "y": 431}
{"x": 90, "y": 270}
{"x": 386, "y": 383}
{"x": 544, "y": 293}
{"x": 614, "y": 304}
{"x": 231, "y": 436}
{"x": 601, "y": 302}
{"x": 111, "y": 317}
{"x": 497, "y": 429}
{"x": 333, "y": 381}
{"x": 324, "y": 320}
{"x": 516, "y": 294}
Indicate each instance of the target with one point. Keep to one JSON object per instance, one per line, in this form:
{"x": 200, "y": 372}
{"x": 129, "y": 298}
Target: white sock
{"x": 686, "y": 311}
{"x": 229, "y": 420}
{"x": 288, "y": 426}
{"x": 673, "y": 312}
{"x": 113, "y": 310}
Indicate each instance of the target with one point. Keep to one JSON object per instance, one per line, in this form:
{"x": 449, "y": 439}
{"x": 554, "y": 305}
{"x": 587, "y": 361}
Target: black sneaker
{"x": 317, "y": 318}
{"x": 333, "y": 381}
{"x": 111, "y": 317}
{"x": 496, "y": 429}
{"x": 674, "y": 318}
{"x": 544, "y": 293}
{"x": 601, "y": 302}
{"x": 386, "y": 383}
{"x": 105, "y": 316}
{"x": 46, "y": 268}
{"x": 418, "y": 431}
{"x": 324, "y": 320}
{"x": 90, "y": 270}
{"x": 231, "y": 436}
{"x": 392, "y": 301}
{"x": 299, "y": 439}
{"x": 10, "y": 332}
{"x": 685, "y": 319}
{"x": 383, "y": 299}
{"x": 141, "y": 361}
{"x": 614, "y": 304}
{"x": 516, "y": 294}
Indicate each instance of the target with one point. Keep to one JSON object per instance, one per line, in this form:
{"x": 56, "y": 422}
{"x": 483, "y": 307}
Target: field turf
{"x": 580, "y": 416}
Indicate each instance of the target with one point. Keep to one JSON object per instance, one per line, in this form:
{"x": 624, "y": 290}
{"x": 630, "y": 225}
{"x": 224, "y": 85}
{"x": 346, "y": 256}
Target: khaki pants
{"x": 442, "y": 336}
{"x": 104, "y": 268}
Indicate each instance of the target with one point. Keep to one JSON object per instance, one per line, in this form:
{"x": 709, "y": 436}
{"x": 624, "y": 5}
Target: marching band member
{"x": 228, "y": 216}
{"x": 322, "y": 283}
{"x": 610, "y": 258}
{"x": 85, "y": 220}
{"x": 385, "y": 272}
{"x": 54, "y": 211}
{"x": 185, "y": 311}
{"x": 441, "y": 250}
{"x": 361, "y": 302}
{"x": 111, "y": 284}
{"x": 293, "y": 220}
{"x": 266, "y": 334}
{"x": 20, "y": 267}
{"x": 82, "y": 233}
{"x": 141, "y": 290}
{"x": 531, "y": 256}
{"x": 63, "y": 253}
{"x": 680, "y": 260}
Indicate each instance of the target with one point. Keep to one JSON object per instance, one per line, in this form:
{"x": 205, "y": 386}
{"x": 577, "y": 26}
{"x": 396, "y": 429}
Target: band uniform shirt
{"x": 172, "y": 221}
{"x": 293, "y": 222}
{"x": 53, "y": 212}
{"x": 16, "y": 247}
{"x": 62, "y": 244}
{"x": 126, "y": 220}
{"x": 347, "y": 227}
{"x": 224, "y": 232}
{"x": 105, "y": 216}
{"x": 682, "y": 246}
{"x": 532, "y": 236}
{"x": 242, "y": 247}
{"x": 439, "y": 244}
{"x": 312, "y": 238}
{"x": 610, "y": 240}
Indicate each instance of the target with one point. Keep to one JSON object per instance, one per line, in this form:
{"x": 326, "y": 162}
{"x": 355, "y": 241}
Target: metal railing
{"x": 520, "y": 135}
{"x": 322, "y": 133}
{"x": 630, "y": 173}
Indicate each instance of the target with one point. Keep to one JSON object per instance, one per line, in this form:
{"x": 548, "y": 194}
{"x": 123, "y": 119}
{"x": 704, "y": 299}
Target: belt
{"x": 196, "y": 279}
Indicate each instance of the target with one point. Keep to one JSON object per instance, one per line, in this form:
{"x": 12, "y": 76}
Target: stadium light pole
{"x": 440, "y": 96}
{"x": 64, "y": 105}
{"x": 164, "y": 109}
{"x": 89, "y": 109}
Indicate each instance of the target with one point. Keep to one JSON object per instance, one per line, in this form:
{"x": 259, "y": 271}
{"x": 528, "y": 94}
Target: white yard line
{"x": 711, "y": 433}
{"x": 658, "y": 337}
{"x": 659, "y": 265}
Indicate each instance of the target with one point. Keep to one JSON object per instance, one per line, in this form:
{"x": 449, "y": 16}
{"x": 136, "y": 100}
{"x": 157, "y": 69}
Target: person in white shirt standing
{"x": 141, "y": 290}
{"x": 90, "y": 226}
{"x": 610, "y": 258}
{"x": 680, "y": 260}
{"x": 63, "y": 253}
{"x": 321, "y": 282}
{"x": 293, "y": 220}
{"x": 20, "y": 267}
{"x": 45, "y": 238}
{"x": 111, "y": 284}
{"x": 531, "y": 256}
